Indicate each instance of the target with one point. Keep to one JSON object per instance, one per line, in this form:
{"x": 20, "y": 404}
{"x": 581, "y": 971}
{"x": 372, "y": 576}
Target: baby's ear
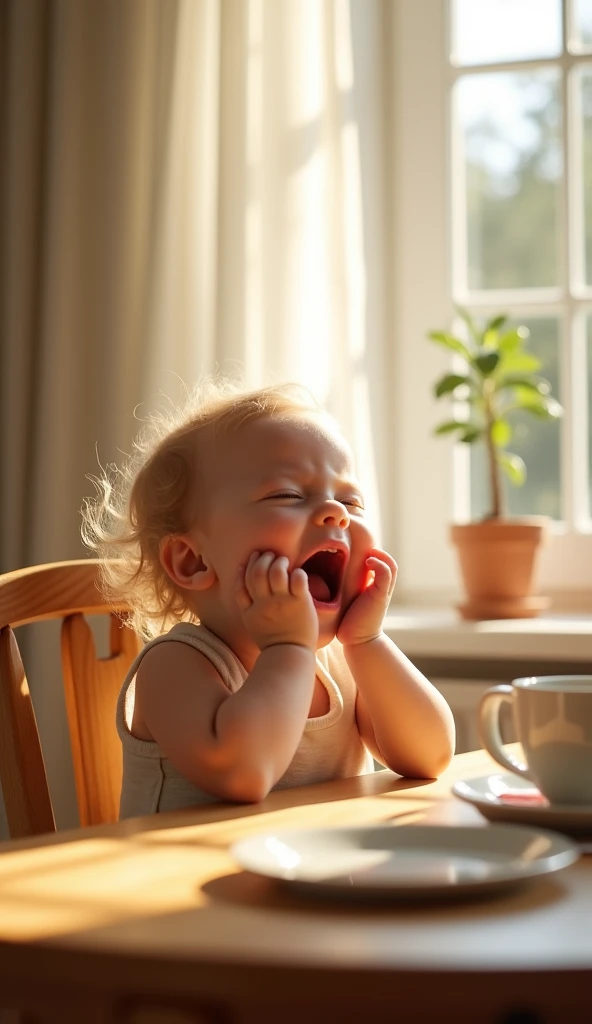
{"x": 184, "y": 564}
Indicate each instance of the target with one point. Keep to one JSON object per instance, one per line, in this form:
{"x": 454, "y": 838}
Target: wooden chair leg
{"x": 20, "y": 775}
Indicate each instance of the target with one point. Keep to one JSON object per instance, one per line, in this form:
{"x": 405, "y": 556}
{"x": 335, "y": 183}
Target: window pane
{"x": 589, "y": 339}
{"x": 489, "y": 31}
{"x": 510, "y": 124}
{"x": 581, "y": 26}
{"x": 586, "y": 107}
{"x": 536, "y": 441}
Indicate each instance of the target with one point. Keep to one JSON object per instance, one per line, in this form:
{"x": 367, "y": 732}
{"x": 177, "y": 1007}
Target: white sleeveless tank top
{"x": 330, "y": 748}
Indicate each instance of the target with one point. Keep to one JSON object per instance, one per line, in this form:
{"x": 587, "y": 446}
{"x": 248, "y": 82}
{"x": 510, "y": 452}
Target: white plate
{"x": 404, "y": 861}
{"x": 487, "y": 794}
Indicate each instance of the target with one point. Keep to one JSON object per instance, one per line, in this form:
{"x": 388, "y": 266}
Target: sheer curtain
{"x": 187, "y": 186}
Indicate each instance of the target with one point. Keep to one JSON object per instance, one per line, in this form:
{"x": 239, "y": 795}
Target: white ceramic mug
{"x": 553, "y": 719}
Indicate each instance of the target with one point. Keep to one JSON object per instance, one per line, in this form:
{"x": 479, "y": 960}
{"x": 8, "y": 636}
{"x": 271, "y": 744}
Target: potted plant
{"x": 499, "y": 376}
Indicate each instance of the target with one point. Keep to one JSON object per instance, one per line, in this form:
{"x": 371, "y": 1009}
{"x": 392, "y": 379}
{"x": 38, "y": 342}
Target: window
{"x": 492, "y": 176}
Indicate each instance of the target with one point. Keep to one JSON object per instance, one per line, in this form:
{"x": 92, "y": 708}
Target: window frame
{"x": 428, "y": 487}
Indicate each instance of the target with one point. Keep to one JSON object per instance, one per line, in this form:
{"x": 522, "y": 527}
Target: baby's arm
{"x": 403, "y": 719}
{"x": 237, "y": 746}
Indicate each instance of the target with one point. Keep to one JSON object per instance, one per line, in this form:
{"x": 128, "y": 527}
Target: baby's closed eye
{"x": 281, "y": 495}
{"x": 354, "y": 503}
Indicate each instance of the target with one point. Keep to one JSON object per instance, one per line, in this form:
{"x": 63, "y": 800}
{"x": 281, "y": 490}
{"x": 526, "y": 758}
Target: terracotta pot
{"x": 498, "y": 561}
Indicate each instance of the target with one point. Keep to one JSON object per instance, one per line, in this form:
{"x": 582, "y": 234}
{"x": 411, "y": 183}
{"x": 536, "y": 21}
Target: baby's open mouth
{"x": 324, "y": 570}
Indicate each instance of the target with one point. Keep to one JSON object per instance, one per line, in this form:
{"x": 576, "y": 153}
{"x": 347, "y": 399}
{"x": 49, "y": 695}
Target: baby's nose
{"x": 333, "y": 511}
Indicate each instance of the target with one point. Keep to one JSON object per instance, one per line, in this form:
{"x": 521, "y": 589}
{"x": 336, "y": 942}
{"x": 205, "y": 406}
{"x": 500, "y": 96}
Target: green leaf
{"x": 449, "y": 383}
{"x": 513, "y": 466}
{"x": 450, "y": 342}
{"x": 513, "y": 339}
{"x": 495, "y": 323}
{"x": 518, "y": 362}
{"x": 516, "y": 380}
{"x": 449, "y": 425}
{"x": 542, "y": 407}
{"x": 501, "y": 433}
{"x": 471, "y": 434}
{"x": 486, "y": 362}
{"x": 490, "y": 340}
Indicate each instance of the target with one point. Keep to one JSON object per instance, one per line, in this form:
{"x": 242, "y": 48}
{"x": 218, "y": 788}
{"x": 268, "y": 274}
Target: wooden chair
{"x": 66, "y": 591}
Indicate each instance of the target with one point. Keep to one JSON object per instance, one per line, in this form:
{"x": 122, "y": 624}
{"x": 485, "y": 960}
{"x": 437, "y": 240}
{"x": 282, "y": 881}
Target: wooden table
{"x": 150, "y": 921}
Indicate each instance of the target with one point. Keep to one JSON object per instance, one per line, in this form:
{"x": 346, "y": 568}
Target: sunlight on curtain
{"x": 299, "y": 289}
{"x": 178, "y": 320}
{"x": 254, "y": 356}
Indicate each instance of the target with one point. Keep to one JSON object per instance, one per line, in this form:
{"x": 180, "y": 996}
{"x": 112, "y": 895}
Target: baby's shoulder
{"x": 189, "y": 650}
{"x": 172, "y": 657}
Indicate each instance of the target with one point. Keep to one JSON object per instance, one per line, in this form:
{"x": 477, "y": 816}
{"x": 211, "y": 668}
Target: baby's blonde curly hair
{"x": 151, "y": 496}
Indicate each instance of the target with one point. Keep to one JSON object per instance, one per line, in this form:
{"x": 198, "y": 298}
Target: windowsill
{"x": 424, "y": 632}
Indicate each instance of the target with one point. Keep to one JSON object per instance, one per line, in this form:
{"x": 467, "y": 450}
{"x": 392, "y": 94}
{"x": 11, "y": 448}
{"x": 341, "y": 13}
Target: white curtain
{"x": 188, "y": 186}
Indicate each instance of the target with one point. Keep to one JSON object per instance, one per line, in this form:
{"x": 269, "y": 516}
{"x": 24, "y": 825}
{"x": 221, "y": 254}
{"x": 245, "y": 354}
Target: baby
{"x": 236, "y": 534}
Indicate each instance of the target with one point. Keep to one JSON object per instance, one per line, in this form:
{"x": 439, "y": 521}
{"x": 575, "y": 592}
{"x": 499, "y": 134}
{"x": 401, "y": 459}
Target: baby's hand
{"x": 275, "y": 604}
{"x": 363, "y": 619}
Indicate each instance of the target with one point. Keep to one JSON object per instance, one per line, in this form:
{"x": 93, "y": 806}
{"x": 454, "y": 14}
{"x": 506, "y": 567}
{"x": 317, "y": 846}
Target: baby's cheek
{"x": 363, "y": 540}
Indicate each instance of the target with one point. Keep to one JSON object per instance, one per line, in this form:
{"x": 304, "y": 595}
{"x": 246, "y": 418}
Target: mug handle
{"x": 489, "y": 711}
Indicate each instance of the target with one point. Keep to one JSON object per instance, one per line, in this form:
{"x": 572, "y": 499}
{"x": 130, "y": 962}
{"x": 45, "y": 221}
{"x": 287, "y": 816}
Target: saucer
{"x": 405, "y": 862}
{"x": 507, "y": 797}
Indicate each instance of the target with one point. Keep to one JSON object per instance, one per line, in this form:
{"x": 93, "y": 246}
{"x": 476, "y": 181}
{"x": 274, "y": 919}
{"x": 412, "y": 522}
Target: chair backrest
{"x": 66, "y": 591}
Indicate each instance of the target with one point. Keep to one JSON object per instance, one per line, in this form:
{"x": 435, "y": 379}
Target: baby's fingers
{"x": 298, "y": 583}
{"x": 384, "y": 576}
{"x": 243, "y": 598}
{"x": 278, "y": 575}
{"x": 257, "y": 573}
{"x": 383, "y": 556}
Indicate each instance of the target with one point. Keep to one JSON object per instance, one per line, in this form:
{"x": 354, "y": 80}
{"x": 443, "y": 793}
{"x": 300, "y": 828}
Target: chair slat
{"x": 91, "y": 687}
{"x": 50, "y": 591}
{"x": 67, "y": 591}
{"x": 22, "y": 770}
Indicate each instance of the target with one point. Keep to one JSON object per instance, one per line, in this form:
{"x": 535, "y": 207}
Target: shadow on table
{"x": 249, "y": 890}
